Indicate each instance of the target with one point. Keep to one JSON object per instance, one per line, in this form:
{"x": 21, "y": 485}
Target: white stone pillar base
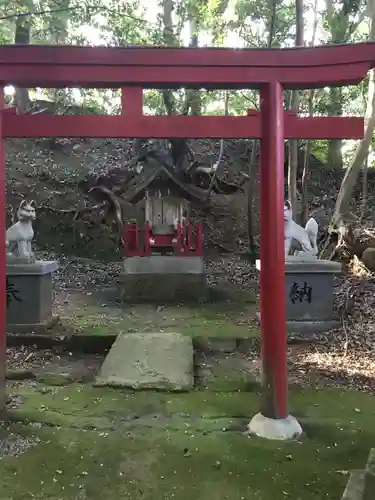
{"x": 278, "y": 429}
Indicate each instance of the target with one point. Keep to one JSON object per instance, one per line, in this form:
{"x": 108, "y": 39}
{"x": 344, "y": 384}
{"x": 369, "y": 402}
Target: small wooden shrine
{"x": 167, "y": 229}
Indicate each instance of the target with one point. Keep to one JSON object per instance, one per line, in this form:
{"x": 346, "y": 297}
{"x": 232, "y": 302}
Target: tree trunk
{"x": 250, "y": 198}
{"x": 364, "y": 189}
{"x": 272, "y": 23}
{"x": 252, "y": 246}
{"x": 22, "y": 36}
{"x": 194, "y": 95}
{"x": 334, "y": 156}
{"x": 351, "y": 175}
{"x": 293, "y": 145}
{"x": 338, "y": 20}
{"x": 308, "y": 148}
{"x": 169, "y": 41}
{"x": 58, "y": 29}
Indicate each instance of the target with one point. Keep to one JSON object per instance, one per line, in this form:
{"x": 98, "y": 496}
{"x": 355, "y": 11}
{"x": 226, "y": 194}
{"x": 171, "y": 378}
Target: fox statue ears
{"x": 24, "y": 202}
{"x": 288, "y": 205}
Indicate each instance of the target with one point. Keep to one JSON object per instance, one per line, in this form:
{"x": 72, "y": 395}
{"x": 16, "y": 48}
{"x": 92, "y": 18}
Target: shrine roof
{"x": 161, "y": 67}
{"x": 138, "y": 186}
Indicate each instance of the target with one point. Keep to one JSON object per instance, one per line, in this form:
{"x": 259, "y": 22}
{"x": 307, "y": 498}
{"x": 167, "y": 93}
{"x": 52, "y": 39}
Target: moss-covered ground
{"x": 220, "y": 317}
{"x": 101, "y": 444}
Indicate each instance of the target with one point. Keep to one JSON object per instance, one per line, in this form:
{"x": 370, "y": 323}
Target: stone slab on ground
{"x": 149, "y": 361}
{"x": 354, "y": 488}
{"x": 369, "y": 487}
{"x": 361, "y": 484}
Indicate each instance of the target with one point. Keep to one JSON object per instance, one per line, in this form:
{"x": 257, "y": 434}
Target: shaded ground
{"x": 66, "y": 439}
{"x": 86, "y": 299}
{"x": 95, "y": 314}
{"x": 345, "y": 356}
{"x": 84, "y": 442}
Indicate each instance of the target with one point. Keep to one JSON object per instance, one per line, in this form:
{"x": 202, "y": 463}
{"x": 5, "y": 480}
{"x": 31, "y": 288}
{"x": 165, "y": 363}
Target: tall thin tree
{"x": 293, "y": 145}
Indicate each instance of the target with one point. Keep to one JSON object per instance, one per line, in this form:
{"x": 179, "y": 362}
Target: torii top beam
{"x": 158, "y": 67}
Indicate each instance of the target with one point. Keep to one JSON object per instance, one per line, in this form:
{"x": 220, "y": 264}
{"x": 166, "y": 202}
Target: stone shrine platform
{"x": 29, "y": 296}
{"x": 309, "y": 294}
{"x": 164, "y": 278}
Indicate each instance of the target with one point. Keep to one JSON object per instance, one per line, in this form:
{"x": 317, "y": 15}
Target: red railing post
{"x": 199, "y": 238}
{"x": 180, "y": 240}
{"x": 147, "y": 231}
{"x": 126, "y": 240}
{"x": 136, "y": 238}
{"x": 187, "y": 231}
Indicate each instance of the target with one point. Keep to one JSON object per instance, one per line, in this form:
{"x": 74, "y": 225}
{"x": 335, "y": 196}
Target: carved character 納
{"x": 300, "y": 294}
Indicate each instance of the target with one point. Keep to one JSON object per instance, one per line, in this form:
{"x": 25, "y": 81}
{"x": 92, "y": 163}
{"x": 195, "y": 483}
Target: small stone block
{"x": 354, "y": 488}
{"x": 369, "y": 486}
{"x": 161, "y": 278}
{"x": 163, "y": 264}
{"x": 370, "y": 467}
{"x": 37, "y": 268}
{"x": 41, "y": 328}
{"x": 29, "y": 295}
{"x": 149, "y": 361}
{"x": 309, "y": 294}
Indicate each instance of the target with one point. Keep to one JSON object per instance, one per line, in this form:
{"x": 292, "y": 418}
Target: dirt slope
{"x": 51, "y": 177}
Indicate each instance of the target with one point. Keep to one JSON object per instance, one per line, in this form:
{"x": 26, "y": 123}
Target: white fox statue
{"x": 20, "y": 235}
{"x": 306, "y": 237}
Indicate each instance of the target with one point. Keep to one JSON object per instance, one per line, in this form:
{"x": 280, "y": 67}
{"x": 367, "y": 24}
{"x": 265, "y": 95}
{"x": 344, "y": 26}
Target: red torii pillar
{"x": 3, "y": 312}
{"x": 274, "y": 420}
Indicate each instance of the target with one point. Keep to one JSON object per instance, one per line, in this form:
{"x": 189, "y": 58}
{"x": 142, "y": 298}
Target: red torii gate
{"x": 136, "y": 68}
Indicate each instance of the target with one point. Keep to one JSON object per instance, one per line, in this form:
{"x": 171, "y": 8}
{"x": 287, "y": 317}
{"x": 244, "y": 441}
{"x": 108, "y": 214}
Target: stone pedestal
{"x": 309, "y": 294}
{"x": 29, "y": 296}
{"x": 163, "y": 278}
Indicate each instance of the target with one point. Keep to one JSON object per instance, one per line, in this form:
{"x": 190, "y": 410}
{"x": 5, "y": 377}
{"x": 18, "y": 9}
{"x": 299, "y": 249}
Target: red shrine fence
{"x": 136, "y": 68}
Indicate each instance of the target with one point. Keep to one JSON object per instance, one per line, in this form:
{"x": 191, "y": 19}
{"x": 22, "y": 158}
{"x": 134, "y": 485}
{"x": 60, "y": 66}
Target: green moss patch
{"x": 19, "y": 374}
{"x": 81, "y": 402}
{"x": 225, "y": 373}
{"x": 101, "y": 443}
{"x": 219, "y": 318}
